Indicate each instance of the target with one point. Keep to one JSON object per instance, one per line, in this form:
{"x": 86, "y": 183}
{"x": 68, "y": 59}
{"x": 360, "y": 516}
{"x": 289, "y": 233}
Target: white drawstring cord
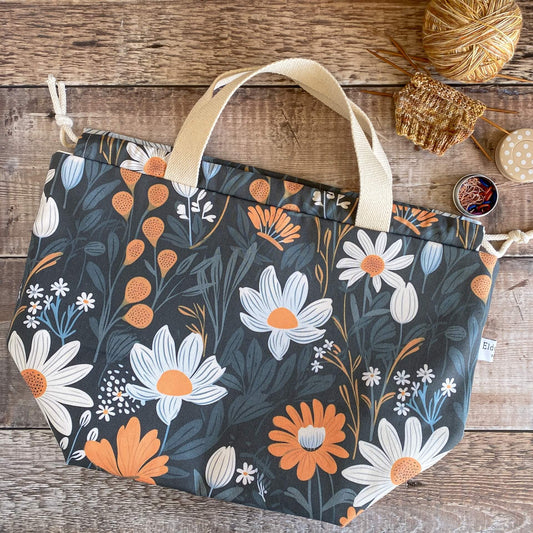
{"x": 516, "y": 235}
{"x": 59, "y": 101}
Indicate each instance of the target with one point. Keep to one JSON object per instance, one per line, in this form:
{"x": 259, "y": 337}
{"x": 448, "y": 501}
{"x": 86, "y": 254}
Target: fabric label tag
{"x": 486, "y": 350}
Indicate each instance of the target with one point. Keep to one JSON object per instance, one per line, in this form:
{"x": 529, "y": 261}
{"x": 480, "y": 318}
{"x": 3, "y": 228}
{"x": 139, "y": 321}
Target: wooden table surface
{"x": 137, "y": 67}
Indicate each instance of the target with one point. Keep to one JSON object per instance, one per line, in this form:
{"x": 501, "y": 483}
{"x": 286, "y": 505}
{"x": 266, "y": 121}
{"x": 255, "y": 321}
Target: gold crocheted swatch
{"x": 434, "y": 115}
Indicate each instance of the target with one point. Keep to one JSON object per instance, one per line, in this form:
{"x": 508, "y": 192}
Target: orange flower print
{"x": 166, "y": 259}
{"x": 413, "y": 217}
{"x": 309, "y": 439}
{"x": 489, "y": 261}
{"x": 137, "y": 290}
{"x": 135, "y": 456}
{"x": 350, "y": 515}
{"x": 149, "y": 159}
{"x": 274, "y": 225}
{"x": 260, "y": 189}
{"x": 153, "y": 228}
{"x": 122, "y": 203}
{"x": 292, "y": 188}
{"x": 130, "y": 178}
{"x": 480, "y": 286}
{"x": 291, "y": 207}
{"x": 157, "y": 196}
{"x": 139, "y": 316}
{"x": 134, "y": 250}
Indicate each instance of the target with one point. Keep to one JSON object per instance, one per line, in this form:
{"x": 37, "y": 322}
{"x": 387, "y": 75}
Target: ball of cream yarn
{"x": 471, "y": 40}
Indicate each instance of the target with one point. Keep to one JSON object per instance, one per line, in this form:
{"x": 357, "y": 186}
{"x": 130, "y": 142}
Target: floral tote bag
{"x": 242, "y": 334}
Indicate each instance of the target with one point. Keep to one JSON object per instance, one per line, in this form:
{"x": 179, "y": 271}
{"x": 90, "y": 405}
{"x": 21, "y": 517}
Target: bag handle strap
{"x": 375, "y": 197}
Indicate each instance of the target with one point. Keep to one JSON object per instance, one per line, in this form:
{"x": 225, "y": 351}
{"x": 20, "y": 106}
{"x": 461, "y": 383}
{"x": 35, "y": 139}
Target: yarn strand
{"x": 516, "y": 235}
{"x": 59, "y": 101}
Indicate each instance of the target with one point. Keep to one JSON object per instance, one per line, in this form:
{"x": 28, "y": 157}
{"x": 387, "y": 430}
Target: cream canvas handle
{"x": 375, "y": 196}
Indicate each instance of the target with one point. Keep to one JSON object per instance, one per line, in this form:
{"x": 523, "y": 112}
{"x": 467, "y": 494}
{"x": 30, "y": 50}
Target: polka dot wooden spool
{"x": 471, "y": 40}
{"x": 514, "y": 155}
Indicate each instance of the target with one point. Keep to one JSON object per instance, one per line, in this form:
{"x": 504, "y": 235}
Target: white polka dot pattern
{"x": 514, "y": 155}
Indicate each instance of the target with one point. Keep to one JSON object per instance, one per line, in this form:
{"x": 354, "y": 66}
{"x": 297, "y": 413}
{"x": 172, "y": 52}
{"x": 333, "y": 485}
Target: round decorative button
{"x": 514, "y": 155}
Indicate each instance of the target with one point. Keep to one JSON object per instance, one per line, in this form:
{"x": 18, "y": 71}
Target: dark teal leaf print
{"x": 95, "y": 273}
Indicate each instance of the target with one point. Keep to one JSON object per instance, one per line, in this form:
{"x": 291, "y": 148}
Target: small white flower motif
{"x": 34, "y": 307}
{"x": 60, "y": 287}
{"x": 35, "y": 291}
{"x": 93, "y": 434}
{"x": 115, "y": 391}
{"x": 415, "y": 387}
{"x": 316, "y": 366}
{"x": 328, "y": 345}
{"x": 401, "y": 409}
{"x": 425, "y": 374}
{"x": 345, "y": 204}
{"x": 181, "y": 211}
{"x": 85, "y": 301}
{"x": 319, "y": 352}
{"x": 330, "y": 195}
{"x": 78, "y": 455}
{"x": 31, "y": 322}
{"x": 64, "y": 443}
{"x": 403, "y": 394}
{"x": 372, "y": 377}
{"x": 402, "y": 378}
{"x": 317, "y": 198}
{"x": 105, "y": 411}
{"x": 207, "y": 207}
{"x": 48, "y": 302}
{"x": 246, "y": 474}
{"x": 448, "y": 387}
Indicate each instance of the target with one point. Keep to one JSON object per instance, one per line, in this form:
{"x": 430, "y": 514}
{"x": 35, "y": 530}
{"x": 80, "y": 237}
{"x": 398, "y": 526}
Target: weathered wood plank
{"x": 478, "y": 486}
{"x": 502, "y": 394}
{"x": 278, "y": 128}
{"x": 188, "y": 43}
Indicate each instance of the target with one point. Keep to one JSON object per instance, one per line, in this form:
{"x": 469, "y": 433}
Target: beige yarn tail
{"x": 59, "y": 101}
{"x": 516, "y": 235}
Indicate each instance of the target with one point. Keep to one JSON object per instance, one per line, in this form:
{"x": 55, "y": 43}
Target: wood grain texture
{"x": 159, "y": 42}
{"x": 502, "y": 393}
{"x": 280, "y": 129}
{"x": 479, "y": 482}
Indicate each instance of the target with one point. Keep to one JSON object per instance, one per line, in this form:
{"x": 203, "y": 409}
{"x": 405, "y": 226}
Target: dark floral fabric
{"x": 242, "y": 339}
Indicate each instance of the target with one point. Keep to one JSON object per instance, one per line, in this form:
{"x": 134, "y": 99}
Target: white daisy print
{"x": 403, "y": 394}
{"x": 282, "y": 312}
{"x": 149, "y": 159}
{"x": 316, "y": 366}
{"x": 328, "y": 345}
{"x": 425, "y": 374}
{"x": 401, "y": 409}
{"x": 391, "y": 465}
{"x": 31, "y": 322}
{"x": 402, "y": 378}
{"x": 448, "y": 387}
{"x": 105, "y": 411}
{"x": 60, "y": 287}
{"x": 85, "y": 301}
{"x": 49, "y": 380}
{"x": 246, "y": 474}
{"x": 48, "y": 301}
{"x": 319, "y": 352}
{"x": 372, "y": 377}
{"x": 33, "y": 307}
{"x": 374, "y": 260}
{"x": 173, "y": 378}
{"x": 34, "y": 291}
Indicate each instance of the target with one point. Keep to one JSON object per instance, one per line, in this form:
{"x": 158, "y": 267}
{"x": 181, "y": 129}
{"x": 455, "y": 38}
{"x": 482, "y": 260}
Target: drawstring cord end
{"x": 516, "y": 235}
{"x": 59, "y": 101}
